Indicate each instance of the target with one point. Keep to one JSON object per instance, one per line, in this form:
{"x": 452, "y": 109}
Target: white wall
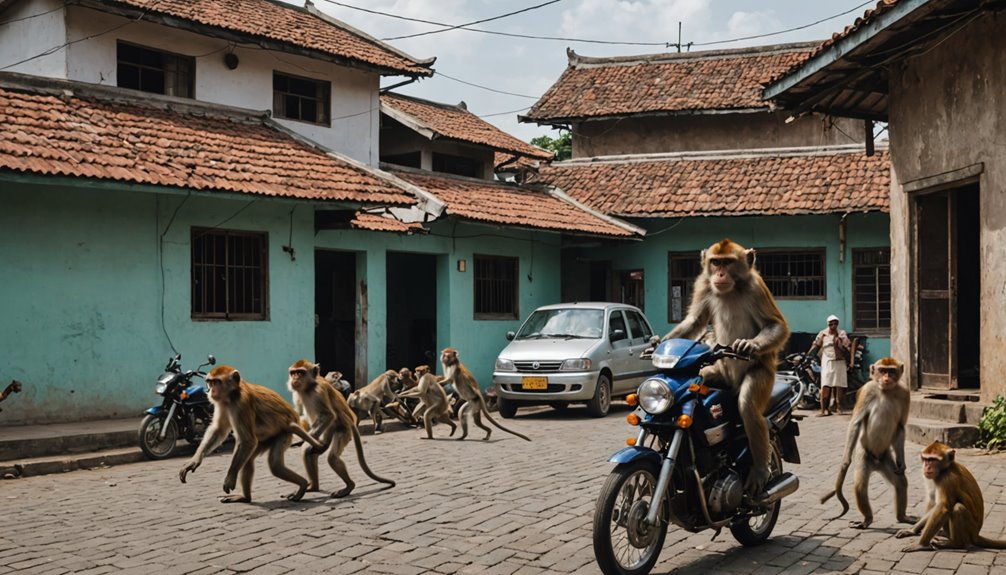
{"x": 32, "y": 31}
{"x": 354, "y": 93}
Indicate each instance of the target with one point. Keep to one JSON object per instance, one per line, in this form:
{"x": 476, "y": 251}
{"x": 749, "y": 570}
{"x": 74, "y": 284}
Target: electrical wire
{"x": 484, "y": 20}
{"x": 766, "y": 35}
{"x": 485, "y": 87}
{"x": 504, "y": 113}
{"x": 30, "y": 16}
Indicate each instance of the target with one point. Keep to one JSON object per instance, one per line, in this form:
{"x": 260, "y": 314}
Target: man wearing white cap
{"x": 835, "y": 350}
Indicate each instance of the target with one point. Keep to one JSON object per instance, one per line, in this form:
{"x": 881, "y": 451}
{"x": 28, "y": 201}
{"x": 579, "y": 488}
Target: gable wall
{"x": 702, "y": 132}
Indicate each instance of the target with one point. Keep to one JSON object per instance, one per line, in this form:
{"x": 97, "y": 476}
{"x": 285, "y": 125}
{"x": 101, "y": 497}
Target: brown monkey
{"x": 468, "y": 389}
{"x": 261, "y": 420}
{"x": 878, "y": 425}
{"x": 731, "y": 295}
{"x": 335, "y": 378}
{"x": 433, "y": 404}
{"x": 954, "y": 505}
{"x": 368, "y": 399}
{"x": 421, "y": 370}
{"x": 406, "y": 379}
{"x": 331, "y": 421}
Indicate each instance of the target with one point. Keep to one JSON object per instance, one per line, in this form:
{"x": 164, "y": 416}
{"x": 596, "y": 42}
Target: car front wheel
{"x": 599, "y": 404}
{"x": 507, "y": 408}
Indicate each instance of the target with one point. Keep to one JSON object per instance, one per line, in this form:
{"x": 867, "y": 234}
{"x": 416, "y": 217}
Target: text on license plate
{"x": 534, "y": 383}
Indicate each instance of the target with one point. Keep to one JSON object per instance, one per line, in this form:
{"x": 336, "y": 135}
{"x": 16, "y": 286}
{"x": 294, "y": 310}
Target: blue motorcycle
{"x": 185, "y": 412}
{"x": 688, "y": 464}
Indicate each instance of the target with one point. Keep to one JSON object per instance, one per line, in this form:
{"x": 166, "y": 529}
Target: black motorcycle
{"x": 185, "y": 412}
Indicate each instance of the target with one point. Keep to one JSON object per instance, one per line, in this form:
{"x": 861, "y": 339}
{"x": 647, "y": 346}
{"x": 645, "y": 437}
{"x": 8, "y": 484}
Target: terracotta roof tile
{"x": 305, "y": 28}
{"x": 381, "y": 223}
{"x": 882, "y": 7}
{"x": 457, "y": 123}
{"x": 686, "y": 82}
{"x": 740, "y": 185}
{"x": 511, "y": 205}
{"x": 102, "y": 133}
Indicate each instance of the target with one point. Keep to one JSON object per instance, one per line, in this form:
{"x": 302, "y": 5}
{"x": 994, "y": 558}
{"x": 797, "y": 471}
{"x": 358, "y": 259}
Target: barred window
{"x": 304, "y": 99}
{"x": 495, "y": 287}
{"x": 154, "y": 71}
{"x": 229, "y": 275}
{"x": 797, "y": 274}
{"x": 871, "y": 290}
{"x": 682, "y": 269}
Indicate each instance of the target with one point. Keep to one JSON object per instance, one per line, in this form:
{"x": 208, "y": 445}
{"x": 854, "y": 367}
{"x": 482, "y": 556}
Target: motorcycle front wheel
{"x": 150, "y": 441}
{"x": 623, "y": 543}
{"x": 756, "y": 529}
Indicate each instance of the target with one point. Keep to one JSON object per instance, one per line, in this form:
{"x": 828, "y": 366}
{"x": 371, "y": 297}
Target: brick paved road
{"x": 502, "y": 507}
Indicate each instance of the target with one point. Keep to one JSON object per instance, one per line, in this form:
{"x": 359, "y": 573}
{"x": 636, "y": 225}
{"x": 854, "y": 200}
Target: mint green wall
{"x": 478, "y": 341}
{"x": 81, "y": 297}
{"x": 695, "y": 234}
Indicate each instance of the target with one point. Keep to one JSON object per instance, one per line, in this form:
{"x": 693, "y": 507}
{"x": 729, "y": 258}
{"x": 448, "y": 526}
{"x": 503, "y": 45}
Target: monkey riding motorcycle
{"x": 185, "y": 411}
{"x": 688, "y": 464}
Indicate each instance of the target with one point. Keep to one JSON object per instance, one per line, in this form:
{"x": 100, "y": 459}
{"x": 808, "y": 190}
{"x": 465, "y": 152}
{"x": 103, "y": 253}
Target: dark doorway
{"x": 600, "y": 279}
{"x": 335, "y": 312}
{"x": 949, "y": 291}
{"x": 412, "y": 310}
{"x": 630, "y": 288}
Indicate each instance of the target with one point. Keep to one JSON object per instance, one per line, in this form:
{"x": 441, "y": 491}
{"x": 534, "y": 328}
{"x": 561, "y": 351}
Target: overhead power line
{"x": 448, "y": 27}
{"x": 484, "y": 87}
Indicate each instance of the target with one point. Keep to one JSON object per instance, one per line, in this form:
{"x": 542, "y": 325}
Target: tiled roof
{"x": 771, "y": 183}
{"x": 302, "y": 28}
{"x": 511, "y": 205}
{"x": 70, "y": 129}
{"x": 882, "y": 7}
{"x": 456, "y": 123}
{"x": 380, "y": 223}
{"x": 503, "y": 161}
{"x": 664, "y": 83}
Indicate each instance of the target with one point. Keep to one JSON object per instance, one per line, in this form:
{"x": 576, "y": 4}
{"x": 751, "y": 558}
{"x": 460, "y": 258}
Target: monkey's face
{"x": 221, "y": 381}
{"x": 449, "y": 357}
{"x": 932, "y": 465}
{"x": 297, "y": 380}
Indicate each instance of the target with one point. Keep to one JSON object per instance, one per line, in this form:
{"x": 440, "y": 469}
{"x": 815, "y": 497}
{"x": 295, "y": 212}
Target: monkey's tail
{"x": 300, "y": 432}
{"x": 363, "y": 460}
{"x": 837, "y": 492}
{"x": 485, "y": 412}
{"x": 990, "y": 543}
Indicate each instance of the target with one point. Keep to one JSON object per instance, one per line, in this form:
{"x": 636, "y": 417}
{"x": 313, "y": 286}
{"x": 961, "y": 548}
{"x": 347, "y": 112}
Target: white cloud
{"x": 635, "y": 21}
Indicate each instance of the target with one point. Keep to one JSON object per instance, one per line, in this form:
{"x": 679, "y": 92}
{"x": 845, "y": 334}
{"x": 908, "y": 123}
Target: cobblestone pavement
{"x": 499, "y": 507}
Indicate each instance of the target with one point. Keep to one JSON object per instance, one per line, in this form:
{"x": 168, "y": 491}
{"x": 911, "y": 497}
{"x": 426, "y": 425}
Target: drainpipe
{"x": 841, "y": 238}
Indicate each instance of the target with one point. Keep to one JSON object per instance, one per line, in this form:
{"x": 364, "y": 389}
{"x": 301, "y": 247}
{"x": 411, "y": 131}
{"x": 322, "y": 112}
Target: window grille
{"x": 495, "y": 287}
{"x": 871, "y": 290}
{"x": 303, "y": 99}
{"x": 229, "y": 275}
{"x": 682, "y": 269}
{"x": 798, "y": 274}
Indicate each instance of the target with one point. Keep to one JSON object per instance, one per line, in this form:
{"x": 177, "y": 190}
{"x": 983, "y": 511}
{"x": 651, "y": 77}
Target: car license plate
{"x": 534, "y": 383}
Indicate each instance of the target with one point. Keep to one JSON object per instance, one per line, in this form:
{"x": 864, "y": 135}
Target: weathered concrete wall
{"x": 397, "y": 139}
{"x": 948, "y": 113}
{"x": 656, "y": 134}
{"x": 31, "y": 29}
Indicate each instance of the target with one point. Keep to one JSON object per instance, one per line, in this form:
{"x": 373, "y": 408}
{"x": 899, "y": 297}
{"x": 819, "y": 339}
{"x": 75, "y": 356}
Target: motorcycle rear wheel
{"x": 757, "y": 529}
{"x": 623, "y": 544}
{"x": 150, "y": 443}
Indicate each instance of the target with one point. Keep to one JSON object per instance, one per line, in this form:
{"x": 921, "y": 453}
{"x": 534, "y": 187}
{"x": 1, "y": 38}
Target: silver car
{"x": 574, "y": 352}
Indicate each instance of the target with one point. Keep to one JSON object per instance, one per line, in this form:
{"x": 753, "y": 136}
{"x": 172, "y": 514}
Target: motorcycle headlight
{"x": 655, "y": 397}
{"x": 504, "y": 364}
{"x": 160, "y": 388}
{"x": 580, "y": 364}
{"x": 665, "y": 361}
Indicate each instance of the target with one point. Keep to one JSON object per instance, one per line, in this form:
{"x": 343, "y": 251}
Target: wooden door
{"x": 937, "y": 301}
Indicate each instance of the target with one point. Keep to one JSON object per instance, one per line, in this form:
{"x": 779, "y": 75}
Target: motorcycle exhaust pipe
{"x": 785, "y": 484}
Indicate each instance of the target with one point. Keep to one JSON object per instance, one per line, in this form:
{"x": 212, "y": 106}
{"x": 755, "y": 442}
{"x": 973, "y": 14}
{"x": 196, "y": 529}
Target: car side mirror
{"x": 654, "y": 340}
{"x": 510, "y": 335}
{"x": 617, "y": 335}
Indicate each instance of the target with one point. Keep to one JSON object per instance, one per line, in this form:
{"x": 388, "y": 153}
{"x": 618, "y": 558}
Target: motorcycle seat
{"x": 781, "y": 392}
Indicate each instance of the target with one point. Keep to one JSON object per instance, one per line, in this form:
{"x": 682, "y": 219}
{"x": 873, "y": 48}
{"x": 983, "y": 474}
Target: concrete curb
{"x": 62, "y": 464}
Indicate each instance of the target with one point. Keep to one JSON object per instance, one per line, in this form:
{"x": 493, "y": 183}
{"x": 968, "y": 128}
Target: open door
{"x": 412, "y": 310}
{"x": 335, "y": 312}
{"x": 630, "y": 288}
{"x": 947, "y": 230}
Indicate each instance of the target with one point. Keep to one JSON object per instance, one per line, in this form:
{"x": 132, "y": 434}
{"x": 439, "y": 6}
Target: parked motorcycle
{"x": 688, "y": 464}
{"x": 808, "y": 369}
{"x": 184, "y": 413}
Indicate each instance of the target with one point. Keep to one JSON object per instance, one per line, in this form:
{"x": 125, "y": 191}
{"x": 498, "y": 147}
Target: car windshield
{"x": 568, "y": 323}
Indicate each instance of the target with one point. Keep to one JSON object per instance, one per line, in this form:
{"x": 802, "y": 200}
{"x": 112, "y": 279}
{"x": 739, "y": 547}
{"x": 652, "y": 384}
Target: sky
{"x": 509, "y": 74}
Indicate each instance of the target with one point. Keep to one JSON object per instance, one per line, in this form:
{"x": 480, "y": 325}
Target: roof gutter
{"x": 843, "y": 47}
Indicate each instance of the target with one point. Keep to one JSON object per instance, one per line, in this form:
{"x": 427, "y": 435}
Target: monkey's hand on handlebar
{"x": 746, "y": 347}
{"x": 731, "y": 352}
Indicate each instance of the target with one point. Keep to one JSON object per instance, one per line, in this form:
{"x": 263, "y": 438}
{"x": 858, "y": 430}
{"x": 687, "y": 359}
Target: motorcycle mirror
{"x": 211, "y": 360}
{"x": 654, "y": 340}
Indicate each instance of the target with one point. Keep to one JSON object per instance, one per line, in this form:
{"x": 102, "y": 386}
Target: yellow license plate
{"x": 534, "y": 383}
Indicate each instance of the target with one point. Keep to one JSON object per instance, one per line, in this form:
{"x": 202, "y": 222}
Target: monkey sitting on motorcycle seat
{"x": 731, "y": 295}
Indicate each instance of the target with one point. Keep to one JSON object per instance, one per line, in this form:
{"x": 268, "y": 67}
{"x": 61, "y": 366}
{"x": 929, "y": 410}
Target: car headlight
{"x": 655, "y": 397}
{"x": 580, "y": 364}
{"x": 665, "y": 361}
{"x": 504, "y": 364}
